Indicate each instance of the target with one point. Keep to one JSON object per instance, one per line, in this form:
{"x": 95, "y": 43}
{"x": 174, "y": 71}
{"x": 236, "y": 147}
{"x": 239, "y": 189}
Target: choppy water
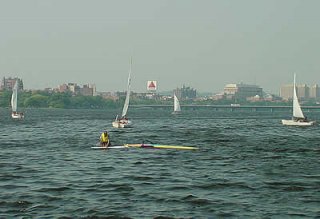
{"x": 248, "y": 166}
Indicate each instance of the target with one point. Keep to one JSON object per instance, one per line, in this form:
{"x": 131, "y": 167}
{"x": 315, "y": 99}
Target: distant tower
{"x": 94, "y": 89}
{"x": 314, "y": 91}
{"x": 185, "y": 93}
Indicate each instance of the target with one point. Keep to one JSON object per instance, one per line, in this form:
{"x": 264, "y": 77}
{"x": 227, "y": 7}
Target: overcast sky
{"x": 204, "y": 44}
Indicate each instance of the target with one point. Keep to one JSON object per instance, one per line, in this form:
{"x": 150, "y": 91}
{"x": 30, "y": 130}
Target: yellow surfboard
{"x": 158, "y": 146}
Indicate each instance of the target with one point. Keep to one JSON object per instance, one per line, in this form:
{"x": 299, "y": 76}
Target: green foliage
{"x": 87, "y": 102}
{"x": 44, "y": 99}
{"x": 60, "y": 100}
{"x": 5, "y": 98}
{"x": 37, "y": 101}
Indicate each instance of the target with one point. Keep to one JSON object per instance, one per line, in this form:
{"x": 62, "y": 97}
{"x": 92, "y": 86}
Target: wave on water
{"x": 248, "y": 166}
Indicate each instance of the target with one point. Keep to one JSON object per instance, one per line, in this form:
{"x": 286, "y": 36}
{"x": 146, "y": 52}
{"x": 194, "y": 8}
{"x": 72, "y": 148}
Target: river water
{"x": 248, "y": 165}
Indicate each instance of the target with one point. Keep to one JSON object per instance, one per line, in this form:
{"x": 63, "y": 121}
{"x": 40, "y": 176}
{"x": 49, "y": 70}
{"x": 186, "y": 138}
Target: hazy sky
{"x": 204, "y": 44}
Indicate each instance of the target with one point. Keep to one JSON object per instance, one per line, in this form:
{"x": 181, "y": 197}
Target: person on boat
{"x": 104, "y": 139}
{"x": 301, "y": 119}
{"x": 124, "y": 118}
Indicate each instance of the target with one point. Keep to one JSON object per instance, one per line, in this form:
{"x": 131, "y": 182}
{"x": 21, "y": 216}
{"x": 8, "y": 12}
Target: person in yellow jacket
{"x": 104, "y": 139}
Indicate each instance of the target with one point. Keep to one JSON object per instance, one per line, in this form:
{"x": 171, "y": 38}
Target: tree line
{"x": 66, "y": 100}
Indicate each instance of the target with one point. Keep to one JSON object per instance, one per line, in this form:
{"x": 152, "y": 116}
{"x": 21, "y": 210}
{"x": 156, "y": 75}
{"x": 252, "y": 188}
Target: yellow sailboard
{"x": 158, "y": 146}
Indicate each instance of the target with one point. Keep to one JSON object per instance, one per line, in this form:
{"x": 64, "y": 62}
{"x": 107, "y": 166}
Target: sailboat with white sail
{"x": 123, "y": 121}
{"x": 298, "y": 118}
{"x": 14, "y": 103}
{"x": 176, "y": 105}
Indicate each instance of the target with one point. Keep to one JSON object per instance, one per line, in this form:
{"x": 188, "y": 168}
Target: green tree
{"x": 59, "y": 100}
{"x": 36, "y": 100}
{"x": 5, "y": 97}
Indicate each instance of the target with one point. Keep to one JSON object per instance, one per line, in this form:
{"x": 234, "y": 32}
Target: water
{"x": 248, "y": 166}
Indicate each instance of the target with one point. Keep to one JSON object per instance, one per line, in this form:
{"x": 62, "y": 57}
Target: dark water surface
{"x": 248, "y": 166}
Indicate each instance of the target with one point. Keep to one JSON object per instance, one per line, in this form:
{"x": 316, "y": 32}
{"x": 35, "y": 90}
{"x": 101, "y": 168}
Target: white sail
{"x": 297, "y": 112}
{"x": 298, "y": 118}
{"x": 126, "y": 102}
{"x": 176, "y": 105}
{"x": 14, "y": 97}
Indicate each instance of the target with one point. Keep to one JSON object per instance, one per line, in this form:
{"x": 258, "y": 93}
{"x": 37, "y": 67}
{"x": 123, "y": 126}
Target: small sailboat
{"x": 123, "y": 121}
{"x": 14, "y": 103}
{"x": 298, "y": 119}
{"x": 176, "y": 105}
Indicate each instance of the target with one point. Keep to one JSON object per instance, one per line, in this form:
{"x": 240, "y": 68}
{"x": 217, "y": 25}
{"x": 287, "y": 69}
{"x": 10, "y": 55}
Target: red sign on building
{"x": 152, "y": 85}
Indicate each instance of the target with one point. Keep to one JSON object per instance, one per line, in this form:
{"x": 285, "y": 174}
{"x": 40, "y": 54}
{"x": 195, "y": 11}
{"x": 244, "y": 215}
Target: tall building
{"x": 185, "y": 92}
{"x": 286, "y": 91}
{"x": 314, "y": 91}
{"x": 303, "y": 91}
{"x": 74, "y": 88}
{"x": 63, "y": 88}
{"x": 242, "y": 91}
{"x": 8, "y": 83}
{"x": 86, "y": 90}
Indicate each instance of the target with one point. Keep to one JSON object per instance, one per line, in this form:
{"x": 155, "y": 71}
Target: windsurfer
{"x": 104, "y": 139}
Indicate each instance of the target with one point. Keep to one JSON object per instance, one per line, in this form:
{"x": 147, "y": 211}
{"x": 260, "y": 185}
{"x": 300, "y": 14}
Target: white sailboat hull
{"x": 17, "y": 115}
{"x": 121, "y": 123}
{"x": 297, "y": 123}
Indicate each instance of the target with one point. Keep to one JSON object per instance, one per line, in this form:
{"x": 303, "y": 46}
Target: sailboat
{"x": 14, "y": 103}
{"x": 123, "y": 121}
{"x": 298, "y": 119}
{"x": 176, "y": 105}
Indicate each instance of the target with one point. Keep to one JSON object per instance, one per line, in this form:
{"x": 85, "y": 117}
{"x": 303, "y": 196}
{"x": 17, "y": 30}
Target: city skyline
{"x": 203, "y": 44}
{"x": 93, "y": 85}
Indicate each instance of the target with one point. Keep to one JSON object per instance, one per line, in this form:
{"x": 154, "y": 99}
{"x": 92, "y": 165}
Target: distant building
{"x": 286, "y": 91}
{"x": 63, "y": 88}
{"x": 94, "y": 89}
{"x": 242, "y": 91}
{"x": 108, "y": 95}
{"x": 303, "y": 91}
{"x": 185, "y": 93}
{"x": 255, "y": 98}
{"x": 74, "y": 88}
{"x": 271, "y": 97}
{"x": 8, "y": 83}
{"x": 218, "y": 96}
{"x": 86, "y": 90}
{"x": 314, "y": 91}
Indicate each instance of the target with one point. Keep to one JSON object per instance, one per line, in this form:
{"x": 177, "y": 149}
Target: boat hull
{"x": 121, "y": 124}
{"x": 297, "y": 123}
{"x": 17, "y": 115}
